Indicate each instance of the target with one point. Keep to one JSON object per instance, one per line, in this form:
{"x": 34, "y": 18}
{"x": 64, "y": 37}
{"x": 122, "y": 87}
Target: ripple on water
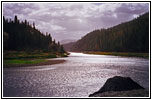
{"x": 79, "y": 76}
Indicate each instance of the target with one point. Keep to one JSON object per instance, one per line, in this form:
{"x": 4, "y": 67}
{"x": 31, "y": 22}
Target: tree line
{"x": 22, "y": 36}
{"x": 132, "y": 36}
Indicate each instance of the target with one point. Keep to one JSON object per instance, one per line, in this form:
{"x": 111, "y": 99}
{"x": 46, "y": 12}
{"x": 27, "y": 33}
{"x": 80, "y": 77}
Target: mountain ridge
{"x": 131, "y": 36}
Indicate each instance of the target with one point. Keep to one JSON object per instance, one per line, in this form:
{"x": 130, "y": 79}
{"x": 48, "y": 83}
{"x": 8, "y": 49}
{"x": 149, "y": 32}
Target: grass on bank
{"x": 126, "y": 54}
{"x": 31, "y": 55}
{"x": 22, "y": 61}
{"x": 24, "y": 55}
{"x": 21, "y": 57}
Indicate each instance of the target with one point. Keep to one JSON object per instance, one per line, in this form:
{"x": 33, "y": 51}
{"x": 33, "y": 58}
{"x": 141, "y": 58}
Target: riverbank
{"x": 23, "y": 59}
{"x": 31, "y": 55}
{"x": 34, "y": 62}
{"x": 125, "y": 54}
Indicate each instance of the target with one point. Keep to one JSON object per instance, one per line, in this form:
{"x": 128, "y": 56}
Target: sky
{"x": 74, "y": 20}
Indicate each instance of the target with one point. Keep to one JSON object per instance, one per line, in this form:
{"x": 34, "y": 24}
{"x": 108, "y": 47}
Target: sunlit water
{"x": 79, "y": 76}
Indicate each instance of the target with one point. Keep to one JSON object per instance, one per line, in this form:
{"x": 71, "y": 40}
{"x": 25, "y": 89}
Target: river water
{"x": 79, "y": 76}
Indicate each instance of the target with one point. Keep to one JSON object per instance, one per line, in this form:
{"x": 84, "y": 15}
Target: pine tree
{"x": 132, "y": 36}
{"x": 33, "y": 25}
{"x": 16, "y": 20}
{"x": 24, "y": 37}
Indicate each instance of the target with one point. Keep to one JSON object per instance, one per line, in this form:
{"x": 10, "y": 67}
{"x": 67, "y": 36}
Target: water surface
{"x": 79, "y": 76}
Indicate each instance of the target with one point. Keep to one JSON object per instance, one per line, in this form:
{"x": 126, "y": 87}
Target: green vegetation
{"x": 17, "y": 58}
{"x": 24, "y": 44}
{"x": 22, "y": 61}
{"x": 132, "y": 36}
{"x": 22, "y": 36}
{"x": 25, "y": 55}
{"x": 126, "y": 54}
{"x": 25, "y": 58}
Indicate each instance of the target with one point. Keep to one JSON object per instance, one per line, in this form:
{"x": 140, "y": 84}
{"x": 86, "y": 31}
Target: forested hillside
{"x": 132, "y": 36}
{"x": 21, "y": 36}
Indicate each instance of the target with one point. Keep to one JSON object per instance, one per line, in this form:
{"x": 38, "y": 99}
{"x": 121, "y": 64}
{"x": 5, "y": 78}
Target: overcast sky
{"x": 74, "y": 20}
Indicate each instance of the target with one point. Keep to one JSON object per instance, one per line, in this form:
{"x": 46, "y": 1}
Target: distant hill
{"x": 67, "y": 41}
{"x": 132, "y": 36}
{"x": 68, "y": 46}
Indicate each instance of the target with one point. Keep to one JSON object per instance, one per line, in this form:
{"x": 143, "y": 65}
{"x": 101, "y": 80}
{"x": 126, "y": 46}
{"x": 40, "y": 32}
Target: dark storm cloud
{"x": 74, "y": 20}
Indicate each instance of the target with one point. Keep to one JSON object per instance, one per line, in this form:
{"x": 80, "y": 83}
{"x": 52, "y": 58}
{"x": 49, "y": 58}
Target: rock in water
{"x": 119, "y": 83}
{"x": 129, "y": 93}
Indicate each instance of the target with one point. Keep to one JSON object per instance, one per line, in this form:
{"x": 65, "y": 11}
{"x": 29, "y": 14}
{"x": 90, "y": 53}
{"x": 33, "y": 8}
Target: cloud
{"x": 74, "y": 20}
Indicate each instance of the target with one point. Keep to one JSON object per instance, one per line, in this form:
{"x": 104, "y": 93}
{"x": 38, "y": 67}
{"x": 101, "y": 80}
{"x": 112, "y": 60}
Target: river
{"x": 79, "y": 76}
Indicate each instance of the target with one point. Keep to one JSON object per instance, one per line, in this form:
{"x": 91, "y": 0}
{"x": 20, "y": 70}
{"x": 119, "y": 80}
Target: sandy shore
{"x": 49, "y": 62}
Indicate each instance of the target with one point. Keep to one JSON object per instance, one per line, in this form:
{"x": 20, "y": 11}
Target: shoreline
{"x": 123, "y": 54}
{"x": 47, "y": 62}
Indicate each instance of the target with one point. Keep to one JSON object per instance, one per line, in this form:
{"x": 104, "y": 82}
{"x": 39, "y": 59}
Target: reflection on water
{"x": 79, "y": 76}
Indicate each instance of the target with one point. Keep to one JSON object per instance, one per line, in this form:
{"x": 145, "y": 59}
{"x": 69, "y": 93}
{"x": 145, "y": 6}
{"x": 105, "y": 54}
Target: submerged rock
{"x": 118, "y": 84}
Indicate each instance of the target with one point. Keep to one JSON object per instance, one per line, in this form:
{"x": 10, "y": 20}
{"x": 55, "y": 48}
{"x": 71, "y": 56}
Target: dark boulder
{"x": 128, "y": 93}
{"x": 119, "y": 83}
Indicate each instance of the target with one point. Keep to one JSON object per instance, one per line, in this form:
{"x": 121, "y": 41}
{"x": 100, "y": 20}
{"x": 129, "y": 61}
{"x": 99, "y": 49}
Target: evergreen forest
{"x": 132, "y": 36}
{"x": 22, "y": 36}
